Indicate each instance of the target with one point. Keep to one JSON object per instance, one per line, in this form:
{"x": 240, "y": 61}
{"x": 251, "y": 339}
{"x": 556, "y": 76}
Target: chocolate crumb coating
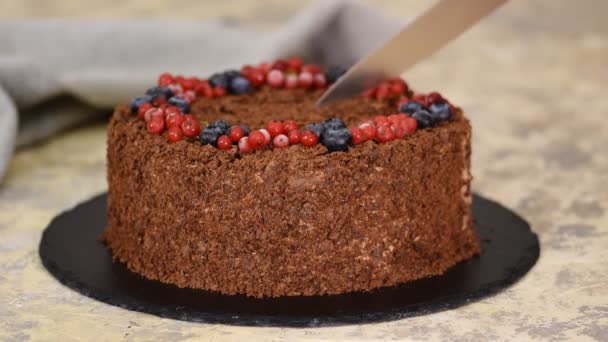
{"x": 292, "y": 221}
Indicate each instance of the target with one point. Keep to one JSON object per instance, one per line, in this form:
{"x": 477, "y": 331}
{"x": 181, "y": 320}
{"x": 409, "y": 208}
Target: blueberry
{"x": 441, "y": 111}
{"x": 410, "y": 107}
{"x": 180, "y": 103}
{"x": 159, "y": 91}
{"x": 138, "y": 101}
{"x": 209, "y": 135}
{"x": 245, "y": 129}
{"x": 239, "y": 85}
{"x": 218, "y": 80}
{"x": 334, "y": 73}
{"x": 333, "y": 123}
{"x": 222, "y": 125}
{"x": 315, "y": 127}
{"x": 336, "y": 139}
{"x": 230, "y": 74}
{"x": 424, "y": 118}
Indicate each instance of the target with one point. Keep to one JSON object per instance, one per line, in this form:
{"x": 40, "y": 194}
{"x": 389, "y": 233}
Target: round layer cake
{"x": 275, "y": 221}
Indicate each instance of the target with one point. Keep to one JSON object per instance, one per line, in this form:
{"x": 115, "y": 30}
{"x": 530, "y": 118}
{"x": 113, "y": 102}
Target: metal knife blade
{"x": 418, "y": 40}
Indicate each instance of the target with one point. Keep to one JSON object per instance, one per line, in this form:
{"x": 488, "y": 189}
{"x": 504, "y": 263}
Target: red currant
{"x": 294, "y": 137}
{"x": 174, "y": 120}
{"x": 311, "y": 68}
{"x": 384, "y": 133}
{"x": 267, "y": 136}
{"x": 280, "y": 141}
{"x": 305, "y": 79}
{"x": 165, "y": 79}
{"x": 188, "y": 83}
{"x": 275, "y": 127}
{"x": 357, "y": 135}
{"x": 143, "y": 108}
{"x": 383, "y": 92}
{"x": 224, "y": 142}
{"x": 370, "y": 93}
{"x": 246, "y": 70}
{"x": 432, "y": 98}
{"x": 279, "y": 64}
{"x": 257, "y": 77}
{"x": 309, "y": 138}
{"x": 219, "y": 92}
{"x": 369, "y": 131}
{"x": 394, "y": 118}
{"x": 256, "y": 140}
{"x": 191, "y": 128}
{"x": 289, "y": 125}
{"x": 156, "y": 125}
{"x": 320, "y": 81}
{"x": 236, "y": 133}
{"x": 398, "y": 130}
{"x": 411, "y": 125}
{"x": 172, "y": 110}
{"x": 244, "y": 145}
{"x": 397, "y": 87}
{"x": 154, "y": 113}
{"x": 291, "y": 81}
{"x": 294, "y": 64}
{"x": 275, "y": 78}
{"x": 380, "y": 119}
{"x": 265, "y": 67}
{"x": 175, "y": 134}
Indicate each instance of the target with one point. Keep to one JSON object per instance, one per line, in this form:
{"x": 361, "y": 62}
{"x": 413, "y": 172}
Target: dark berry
{"x": 180, "y": 103}
{"x": 441, "y": 111}
{"x": 336, "y": 139}
{"x": 219, "y": 80}
{"x": 138, "y": 101}
{"x": 209, "y": 136}
{"x": 410, "y": 107}
{"x": 317, "y": 128}
{"x": 424, "y": 118}
{"x": 159, "y": 91}
{"x": 333, "y": 123}
{"x": 222, "y": 125}
{"x": 334, "y": 73}
{"x": 239, "y": 85}
{"x": 231, "y": 74}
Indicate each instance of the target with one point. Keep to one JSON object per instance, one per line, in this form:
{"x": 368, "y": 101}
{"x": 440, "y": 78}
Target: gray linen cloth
{"x": 58, "y": 73}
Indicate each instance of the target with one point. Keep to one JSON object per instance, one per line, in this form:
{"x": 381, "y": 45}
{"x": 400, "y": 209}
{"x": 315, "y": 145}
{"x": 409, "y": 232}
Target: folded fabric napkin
{"x": 58, "y": 73}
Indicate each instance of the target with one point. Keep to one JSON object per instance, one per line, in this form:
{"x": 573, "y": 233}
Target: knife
{"x": 418, "y": 40}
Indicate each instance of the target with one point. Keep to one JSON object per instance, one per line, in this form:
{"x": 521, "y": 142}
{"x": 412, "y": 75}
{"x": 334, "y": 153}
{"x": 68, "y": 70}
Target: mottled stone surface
{"x": 533, "y": 80}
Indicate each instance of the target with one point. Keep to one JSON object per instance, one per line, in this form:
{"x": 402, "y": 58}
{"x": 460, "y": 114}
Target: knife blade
{"x": 426, "y": 34}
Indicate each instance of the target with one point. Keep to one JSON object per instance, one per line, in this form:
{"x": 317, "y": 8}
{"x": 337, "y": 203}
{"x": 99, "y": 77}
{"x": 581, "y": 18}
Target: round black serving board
{"x": 72, "y": 253}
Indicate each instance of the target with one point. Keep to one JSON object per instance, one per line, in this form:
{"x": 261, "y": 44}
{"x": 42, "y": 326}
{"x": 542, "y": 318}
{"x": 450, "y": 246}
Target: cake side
{"x": 294, "y": 221}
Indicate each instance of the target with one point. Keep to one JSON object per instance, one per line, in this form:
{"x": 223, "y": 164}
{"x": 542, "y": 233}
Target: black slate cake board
{"x": 71, "y": 252}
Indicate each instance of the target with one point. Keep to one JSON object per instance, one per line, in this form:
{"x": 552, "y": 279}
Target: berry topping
{"x": 219, "y": 80}
{"x": 222, "y": 125}
{"x": 159, "y": 91}
{"x": 224, "y": 142}
{"x": 384, "y": 133}
{"x": 291, "y": 81}
{"x": 280, "y": 64}
{"x": 319, "y": 81}
{"x": 138, "y": 101}
{"x": 244, "y": 145}
{"x": 143, "y": 108}
{"x": 275, "y": 127}
{"x": 294, "y": 64}
{"x": 336, "y": 139}
{"x": 174, "y": 119}
{"x": 239, "y": 85}
{"x": 410, "y": 107}
{"x": 311, "y": 68}
{"x": 231, "y": 74}
{"x": 180, "y": 103}
{"x": 305, "y": 79}
{"x": 280, "y": 141}
{"x": 256, "y": 140}
{"x": 434, "y": 97}
{"x": 152, "y": 113}
{"x": 441, "y": 111}
{"x": 333, "y": 123}
{"x": 275, "y": 78}
{"x": 236, "y": 133}
{"x": 191, "y": 128}
{"x": 156, "y": 125}
{"x": 424, "y": 118}
{"x": 165, "y": 79}
{"x": 257, "y": 77}
{"x": 369, "y": 131}
{"x": 209, "y": 135}
{"x": 383, "y": 92}
{"x": 317, "y": 128}
{"x": 289, "y": 125}
{"x": 175, "y": 134}
{"x": 357, "y": 135}
{"x": 245, "y": 129}
{"x": 294, "y": 137}
{"x": 309, "y": 138}
{"x": 333, "y": 73}
{"x": 266, "y": 134}
{"x": 219, "y": 92}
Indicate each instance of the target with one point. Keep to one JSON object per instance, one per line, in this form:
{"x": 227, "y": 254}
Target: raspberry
{"x": 280, "y": 141}
{"x": 384, "y": 133}
{"x": 289, "y": 125}
{"x": 381, "y": 119}
{"x": 275, "y": 78}
{"x": 224, "y": 142}
{"x": 358, "y": 136}
{"x": 156, "y": 125}
{"x": 305, "y": 79}
{"x": 369, "y": 131}
{"x": 236, "y": 133}
{"x": 175, "y": 134}
{"x": 256, "y": 140}
{"x": 143, "y": 108}
{"x": 275, "y": 127}
{"x": 165, "y": 79}
{"x": 309, "y": 138}
{"x": 398, "y": 129}
{"x": 191, "y": 128}
{"x": 393, "y": 118}
{"x": 294, "y": 137}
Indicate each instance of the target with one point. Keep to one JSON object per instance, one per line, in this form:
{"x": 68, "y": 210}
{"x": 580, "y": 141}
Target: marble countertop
{"x": 532, "y": 78}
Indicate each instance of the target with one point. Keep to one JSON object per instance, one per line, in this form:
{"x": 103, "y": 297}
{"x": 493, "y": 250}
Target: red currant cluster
{"x": 277, "y": 134}
{"x": 291, "y": 73}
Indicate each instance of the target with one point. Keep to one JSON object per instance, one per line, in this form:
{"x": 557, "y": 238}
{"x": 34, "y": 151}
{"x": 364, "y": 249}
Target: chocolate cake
{"x": 308, "y": 210}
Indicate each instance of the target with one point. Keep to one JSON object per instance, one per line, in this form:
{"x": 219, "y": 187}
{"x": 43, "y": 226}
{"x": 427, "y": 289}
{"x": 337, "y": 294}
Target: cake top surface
{"x": 272, "y": 105}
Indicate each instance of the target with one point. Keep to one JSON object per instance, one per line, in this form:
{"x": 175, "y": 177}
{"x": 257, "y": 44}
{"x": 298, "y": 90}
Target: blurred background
{"x": 531, "y": 77}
